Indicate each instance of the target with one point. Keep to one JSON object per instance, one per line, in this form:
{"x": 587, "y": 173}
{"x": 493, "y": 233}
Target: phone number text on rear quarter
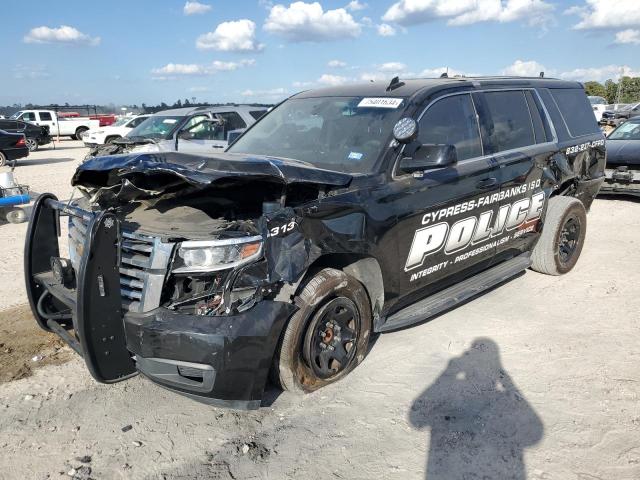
{"x": 584, "y": 146}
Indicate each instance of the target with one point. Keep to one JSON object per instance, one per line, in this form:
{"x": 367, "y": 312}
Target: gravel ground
{"x": 536, "y": 379}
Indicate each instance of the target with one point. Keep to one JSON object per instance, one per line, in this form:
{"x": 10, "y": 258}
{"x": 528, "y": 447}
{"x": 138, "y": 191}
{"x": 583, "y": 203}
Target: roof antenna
{"x": 541, "y": 74}
{"x": 395, "y": 83}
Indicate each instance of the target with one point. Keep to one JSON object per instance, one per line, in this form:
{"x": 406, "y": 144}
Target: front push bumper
{"x": 621, "y": 181}
{"x": 219, "y": 360}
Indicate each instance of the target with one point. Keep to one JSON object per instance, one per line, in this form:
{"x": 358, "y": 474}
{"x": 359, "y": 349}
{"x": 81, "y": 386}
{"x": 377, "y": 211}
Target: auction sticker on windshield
{"x": 380, "y": 102}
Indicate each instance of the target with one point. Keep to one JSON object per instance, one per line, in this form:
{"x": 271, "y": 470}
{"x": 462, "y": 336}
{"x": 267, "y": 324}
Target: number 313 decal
{"x": 282, "y": 229}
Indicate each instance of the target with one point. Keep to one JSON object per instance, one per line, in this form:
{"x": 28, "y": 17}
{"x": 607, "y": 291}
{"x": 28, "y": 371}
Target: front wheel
{"x": 562, "y": 238}
{"x": 327, "y": 337}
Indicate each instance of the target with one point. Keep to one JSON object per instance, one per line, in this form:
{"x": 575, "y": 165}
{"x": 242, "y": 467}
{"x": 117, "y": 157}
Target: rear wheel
{"x": 79, "y": 132}
{"x": 32, "y": 144}
{"x": 3, "y": 159}
{"x": 327, "y": 337}
{"x": 562, "y": 238}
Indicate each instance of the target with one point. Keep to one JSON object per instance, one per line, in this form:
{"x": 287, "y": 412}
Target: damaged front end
{"x": 180, "y": 267}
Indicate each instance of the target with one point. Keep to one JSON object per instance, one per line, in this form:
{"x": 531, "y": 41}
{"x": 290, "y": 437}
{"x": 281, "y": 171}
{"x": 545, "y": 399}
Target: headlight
{"x": 209, "y": 256}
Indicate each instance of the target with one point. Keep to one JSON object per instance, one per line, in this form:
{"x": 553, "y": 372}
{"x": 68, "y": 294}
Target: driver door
{"x": 200, "y": 135}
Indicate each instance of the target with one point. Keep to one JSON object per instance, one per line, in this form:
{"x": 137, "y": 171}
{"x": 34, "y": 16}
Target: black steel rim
{"x": 569, "y": 239}
{"x": 330, "y": 343}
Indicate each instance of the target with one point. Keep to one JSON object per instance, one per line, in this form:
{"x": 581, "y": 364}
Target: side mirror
{"x": 428, "y": 156}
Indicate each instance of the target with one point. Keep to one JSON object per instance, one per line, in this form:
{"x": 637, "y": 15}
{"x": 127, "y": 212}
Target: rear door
{"x": 517, "y": 134}
{"x": 443, "y": 231}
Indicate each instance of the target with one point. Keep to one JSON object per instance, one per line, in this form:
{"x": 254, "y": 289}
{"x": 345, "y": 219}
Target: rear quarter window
{"x": 576, "y": 111}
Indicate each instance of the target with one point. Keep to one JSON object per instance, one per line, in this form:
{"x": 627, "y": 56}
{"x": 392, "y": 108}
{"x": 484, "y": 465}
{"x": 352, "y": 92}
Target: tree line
{"x": 628, "y": 87}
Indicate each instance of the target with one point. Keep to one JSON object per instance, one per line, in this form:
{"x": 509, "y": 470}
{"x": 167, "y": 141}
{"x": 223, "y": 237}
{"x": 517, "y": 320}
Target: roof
{"x": 410, "y": 87}
{"x": 183, "y": 112}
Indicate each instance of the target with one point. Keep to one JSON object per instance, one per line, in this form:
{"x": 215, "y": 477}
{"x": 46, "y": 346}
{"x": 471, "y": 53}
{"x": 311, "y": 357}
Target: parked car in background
{"x": 599, "y": 105}
{"x": 623, "y": 160}
{"x": 93, "y": 138}
{"x": 59, "y": 125}
{"x": 189, "y": 130}
{"x": 105, "y": 119}
{"x": 12, "y": 147}
{"x": 621, "y": 115}
{"x": 35, "y": 135}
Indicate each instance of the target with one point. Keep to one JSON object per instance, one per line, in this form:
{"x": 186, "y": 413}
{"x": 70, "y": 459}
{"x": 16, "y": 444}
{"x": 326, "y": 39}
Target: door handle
{"x": 217, "y": 146}
{"x": 487, "y": 183}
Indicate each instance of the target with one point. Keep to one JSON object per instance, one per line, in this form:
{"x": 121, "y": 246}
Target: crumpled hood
{"x": 623, "y": 152}
{"x": 200, "y": 170}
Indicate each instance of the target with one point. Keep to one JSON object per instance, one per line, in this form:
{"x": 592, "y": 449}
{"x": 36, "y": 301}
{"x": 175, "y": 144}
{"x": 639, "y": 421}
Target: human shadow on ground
{"x": 479, "y": 422}
{"x": 32, "y": 162}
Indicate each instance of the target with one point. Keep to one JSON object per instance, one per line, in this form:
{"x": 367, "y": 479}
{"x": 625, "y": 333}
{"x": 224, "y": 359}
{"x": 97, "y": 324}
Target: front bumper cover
{"x": 621, "y": 181}
{"x": 220, "y": 360}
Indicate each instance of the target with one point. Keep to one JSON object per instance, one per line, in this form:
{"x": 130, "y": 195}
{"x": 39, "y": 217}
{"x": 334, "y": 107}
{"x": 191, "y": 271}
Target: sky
{"x": 148, "y": 51}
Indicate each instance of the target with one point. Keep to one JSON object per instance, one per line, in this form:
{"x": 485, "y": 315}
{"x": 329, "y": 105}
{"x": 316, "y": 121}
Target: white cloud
{"x": 308, "y": 22}
{"x": 437, "y": 71}
{"x": 466, "y": 12}
{"x": 333, "y": 80}
{"x": 268, "y": 94}
{"x": 386, "y": 30}
{"x": 628, "y": 36}
{"x": 234, "y": 36}
{"x": 195, "y": 8}
{"x": 36, "y": 72}
{"x": 607, "y": 14}
{"x": 336, "y": 64}
{"x": 524, "y": 68}
{"x": 393, "y": 67}
{"x": 199, "y": 89}
{"x": 193, "y": 69}
{"x": 63, "y": 34}
{"x": 355, "y": 6}
{"x": 599, "y": 74}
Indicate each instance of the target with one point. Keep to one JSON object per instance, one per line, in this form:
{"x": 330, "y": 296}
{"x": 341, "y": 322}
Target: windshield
{"x": 626, "y": 131}
{"x": 345, "y": 134}
{"x": 15, "y": 115}
{"x": 121, "y": 121}
{"x": 158, "y": 127}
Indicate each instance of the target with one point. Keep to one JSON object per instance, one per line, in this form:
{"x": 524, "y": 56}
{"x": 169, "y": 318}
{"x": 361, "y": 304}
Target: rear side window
{"x": 510, "y": 124}
{"x": 452, "y": 121}
{"x": 575, "y": 110}
{"x": 45, "y": 116}
{"x": 256, "y": 114}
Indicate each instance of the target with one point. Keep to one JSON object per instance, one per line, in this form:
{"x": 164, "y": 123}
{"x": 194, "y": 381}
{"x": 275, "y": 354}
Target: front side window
{"x": 345, "y": 134}
{"x": 452, "y": 121}
{"x": 29, "y": 117}
{"x": 509, "y": 123}
{"x": 202, "y": 128}
{"x": 232, "y": 121}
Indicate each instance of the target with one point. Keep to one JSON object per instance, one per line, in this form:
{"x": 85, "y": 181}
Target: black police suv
{"x": 35, "y": 135}
{"x": 342, "y": 212}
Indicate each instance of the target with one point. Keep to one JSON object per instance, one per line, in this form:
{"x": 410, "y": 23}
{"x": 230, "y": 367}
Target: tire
{"x": 331, "y": 296}
{"x": 32, "y": 144}
{"x": 79, "y": 132}
{"x": 562, "y": 238}
{"x": 3, "y": 159}
{"x": 110, "y": 140}
{"x": 16, "y": 215}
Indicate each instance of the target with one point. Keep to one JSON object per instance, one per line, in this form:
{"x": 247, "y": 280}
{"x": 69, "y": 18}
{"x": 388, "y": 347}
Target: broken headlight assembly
{"x": 200, "y": 256}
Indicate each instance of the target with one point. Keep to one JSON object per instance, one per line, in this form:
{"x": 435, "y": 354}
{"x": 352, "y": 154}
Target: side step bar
{"x": 456, "y": 294}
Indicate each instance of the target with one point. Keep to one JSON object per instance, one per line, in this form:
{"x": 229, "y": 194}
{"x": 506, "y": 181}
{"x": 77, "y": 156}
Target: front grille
{"x": 143, "y": 265}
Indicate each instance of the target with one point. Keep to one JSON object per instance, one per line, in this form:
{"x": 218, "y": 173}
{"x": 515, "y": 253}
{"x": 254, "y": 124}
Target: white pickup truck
{"x": 72, "y": 127}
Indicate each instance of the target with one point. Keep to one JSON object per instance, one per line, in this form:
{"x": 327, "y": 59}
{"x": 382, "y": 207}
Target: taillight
{"x": 21, "y": 142}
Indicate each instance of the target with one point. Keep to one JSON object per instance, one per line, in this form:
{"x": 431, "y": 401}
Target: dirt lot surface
{"x": 536, "y": 379}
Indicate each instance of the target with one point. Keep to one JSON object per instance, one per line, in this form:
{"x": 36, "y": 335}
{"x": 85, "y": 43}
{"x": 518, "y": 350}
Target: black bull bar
{"x": 89, "y": 303}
